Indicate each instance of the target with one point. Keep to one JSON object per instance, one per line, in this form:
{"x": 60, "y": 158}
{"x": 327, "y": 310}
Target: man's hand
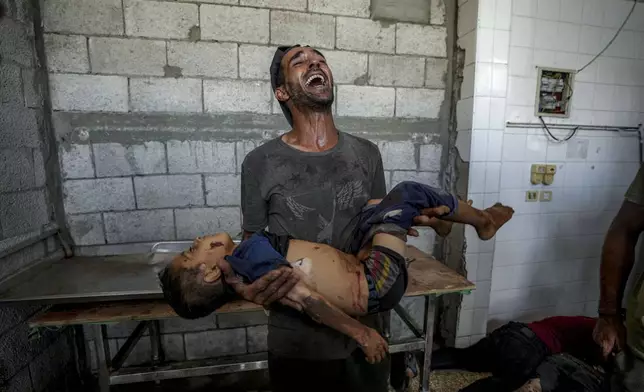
{"x": 609, "y": 334}
{"x": 269, "y": 288}
{"x": 375, "y": 347}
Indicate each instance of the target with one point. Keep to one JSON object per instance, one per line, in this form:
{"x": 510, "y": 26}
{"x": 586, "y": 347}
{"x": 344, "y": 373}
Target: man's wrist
{"x": 609, "y": 312}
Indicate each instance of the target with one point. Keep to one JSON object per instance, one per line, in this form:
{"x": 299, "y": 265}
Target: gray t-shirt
{"x": 313, "y": 197}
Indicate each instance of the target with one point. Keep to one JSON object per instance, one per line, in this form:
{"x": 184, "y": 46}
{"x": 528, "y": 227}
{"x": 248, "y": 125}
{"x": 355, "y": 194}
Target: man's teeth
{"x": 309, "y": 80}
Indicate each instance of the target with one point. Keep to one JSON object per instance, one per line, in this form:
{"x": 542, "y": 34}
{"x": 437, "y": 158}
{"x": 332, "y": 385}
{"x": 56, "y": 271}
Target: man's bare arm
{"x": 302, "y": 298}
{"x": 618, "y": 256}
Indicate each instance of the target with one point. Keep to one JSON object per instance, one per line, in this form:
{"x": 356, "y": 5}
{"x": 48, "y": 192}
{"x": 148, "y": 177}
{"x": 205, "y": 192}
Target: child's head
{"x": 192, "y": 283}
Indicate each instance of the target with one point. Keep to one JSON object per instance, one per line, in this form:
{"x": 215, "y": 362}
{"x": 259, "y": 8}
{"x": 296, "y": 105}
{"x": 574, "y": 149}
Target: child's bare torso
{"x": 337, "y": 276}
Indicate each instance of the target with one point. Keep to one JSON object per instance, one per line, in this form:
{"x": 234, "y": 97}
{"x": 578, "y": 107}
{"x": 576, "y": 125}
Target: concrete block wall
{"x": 158, "y": 102}
{"x": 23, "y": 196}
{"x": 29, "y": 360}
{"x": 549, "y": 251}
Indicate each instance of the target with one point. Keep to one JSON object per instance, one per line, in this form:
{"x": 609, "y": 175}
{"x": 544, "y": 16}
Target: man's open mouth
{"x": 316, "y": 80}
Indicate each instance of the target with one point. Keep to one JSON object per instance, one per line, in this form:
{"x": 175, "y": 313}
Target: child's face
{"x": 205, "y": 253}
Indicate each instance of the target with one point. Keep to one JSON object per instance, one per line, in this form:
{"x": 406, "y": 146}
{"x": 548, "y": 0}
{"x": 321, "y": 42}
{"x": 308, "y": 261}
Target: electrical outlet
{"x": 532, "y": 196}
{"x": 537, "y": 172}
{"x": 538, "y": 168}
{"x": 549, "y": 177}
{"x": 545, "y": 196}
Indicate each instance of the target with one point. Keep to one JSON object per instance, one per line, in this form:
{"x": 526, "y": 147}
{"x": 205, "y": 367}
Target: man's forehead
{"x": 299, "y": 51}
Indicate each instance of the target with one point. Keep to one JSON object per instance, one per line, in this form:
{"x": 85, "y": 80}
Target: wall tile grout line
{"x": 174, "y": 224}
{"x": 256, "y": 43}
{"x": 123, "y": 16}
{"x": 104, "y": 227}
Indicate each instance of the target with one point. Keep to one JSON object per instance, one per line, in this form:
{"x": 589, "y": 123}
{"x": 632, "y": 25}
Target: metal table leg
{"x": 430, "y": 311}
{"x": 156, "y": 345}
{"x": 101, "y": 359}
{"x": 80, "y": 352}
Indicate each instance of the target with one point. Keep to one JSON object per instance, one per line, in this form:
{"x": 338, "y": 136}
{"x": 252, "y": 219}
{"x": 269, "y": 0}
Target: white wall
{"x": 546, "y": 260}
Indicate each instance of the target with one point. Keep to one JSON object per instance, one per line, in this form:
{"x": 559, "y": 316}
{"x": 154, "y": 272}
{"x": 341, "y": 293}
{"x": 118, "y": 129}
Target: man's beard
{"x": 301, "y": 99}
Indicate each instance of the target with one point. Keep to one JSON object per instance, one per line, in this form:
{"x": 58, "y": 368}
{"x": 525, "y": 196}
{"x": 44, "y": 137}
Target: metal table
{"x": 97, "y": 291}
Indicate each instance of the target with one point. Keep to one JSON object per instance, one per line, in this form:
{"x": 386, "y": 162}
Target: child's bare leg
{"x": 486, "y": 222}
{"x": 301, "y": 297}
{"x": 442, "y": 227}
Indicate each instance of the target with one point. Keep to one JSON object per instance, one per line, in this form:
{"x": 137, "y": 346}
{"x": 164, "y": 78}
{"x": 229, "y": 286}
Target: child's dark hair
{"x": 189, "y": 296}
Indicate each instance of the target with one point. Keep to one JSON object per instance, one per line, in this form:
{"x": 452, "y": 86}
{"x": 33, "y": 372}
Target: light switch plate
{"x": 545, "y": 196}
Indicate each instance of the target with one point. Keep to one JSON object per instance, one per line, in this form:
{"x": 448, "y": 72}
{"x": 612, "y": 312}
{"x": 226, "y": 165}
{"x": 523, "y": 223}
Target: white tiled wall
{"x": 546, "y": 260}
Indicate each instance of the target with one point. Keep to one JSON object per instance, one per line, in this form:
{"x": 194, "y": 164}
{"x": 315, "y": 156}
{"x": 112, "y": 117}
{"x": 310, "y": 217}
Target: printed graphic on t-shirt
{"x": 350, "y": 195}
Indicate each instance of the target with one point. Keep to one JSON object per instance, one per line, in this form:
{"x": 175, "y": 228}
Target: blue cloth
{"x": 255, "y": 257}
{"x": 401, "y": 205}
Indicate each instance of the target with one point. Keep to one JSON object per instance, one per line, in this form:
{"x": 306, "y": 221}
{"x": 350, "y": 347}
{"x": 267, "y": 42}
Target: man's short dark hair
{"x": 189, "y": 296}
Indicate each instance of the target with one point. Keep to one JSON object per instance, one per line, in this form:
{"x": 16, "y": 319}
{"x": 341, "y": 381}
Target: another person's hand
{"x": 609, "y": 334}
{"x": 264, "y": 291}
{"x": 427, "y": 214}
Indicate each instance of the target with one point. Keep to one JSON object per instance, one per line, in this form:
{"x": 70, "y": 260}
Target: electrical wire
{"x": 612, "y": 40}
{"x": 556, "y": 139}
{"x": 567, "y": 99}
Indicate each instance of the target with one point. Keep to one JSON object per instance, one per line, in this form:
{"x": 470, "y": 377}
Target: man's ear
{"x": 281, "y": 94}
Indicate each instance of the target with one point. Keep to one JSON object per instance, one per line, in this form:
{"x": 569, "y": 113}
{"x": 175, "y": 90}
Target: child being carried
{"x": 370, "y": 277}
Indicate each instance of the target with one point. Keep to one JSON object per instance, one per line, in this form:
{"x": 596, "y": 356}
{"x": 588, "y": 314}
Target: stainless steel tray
{"x": 174, "y": 246}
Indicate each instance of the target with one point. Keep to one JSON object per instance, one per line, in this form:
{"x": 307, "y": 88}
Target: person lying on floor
{"x": 513, "y": 352}
{"x": 565, "y": 373}
{"x": 374, "y": 280}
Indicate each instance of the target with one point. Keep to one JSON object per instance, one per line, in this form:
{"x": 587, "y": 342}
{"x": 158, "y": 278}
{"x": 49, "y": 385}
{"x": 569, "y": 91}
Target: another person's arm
{"x": 618, "y": 256}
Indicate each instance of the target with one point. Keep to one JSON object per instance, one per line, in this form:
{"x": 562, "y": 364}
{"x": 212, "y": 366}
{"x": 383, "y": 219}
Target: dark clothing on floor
{"x": 565, "y": 373}
{"x": 511, "y": 353}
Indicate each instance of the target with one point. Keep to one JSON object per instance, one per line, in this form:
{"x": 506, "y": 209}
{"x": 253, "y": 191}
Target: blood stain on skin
{"x": 356, "y": 301}
{"x": 316, "y": 247}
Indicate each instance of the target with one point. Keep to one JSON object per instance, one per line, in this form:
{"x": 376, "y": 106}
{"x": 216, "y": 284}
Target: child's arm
{"x": 302, "y": 298}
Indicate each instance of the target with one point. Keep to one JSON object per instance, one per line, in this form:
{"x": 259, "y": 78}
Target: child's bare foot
{"x": 496, "y": 216}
